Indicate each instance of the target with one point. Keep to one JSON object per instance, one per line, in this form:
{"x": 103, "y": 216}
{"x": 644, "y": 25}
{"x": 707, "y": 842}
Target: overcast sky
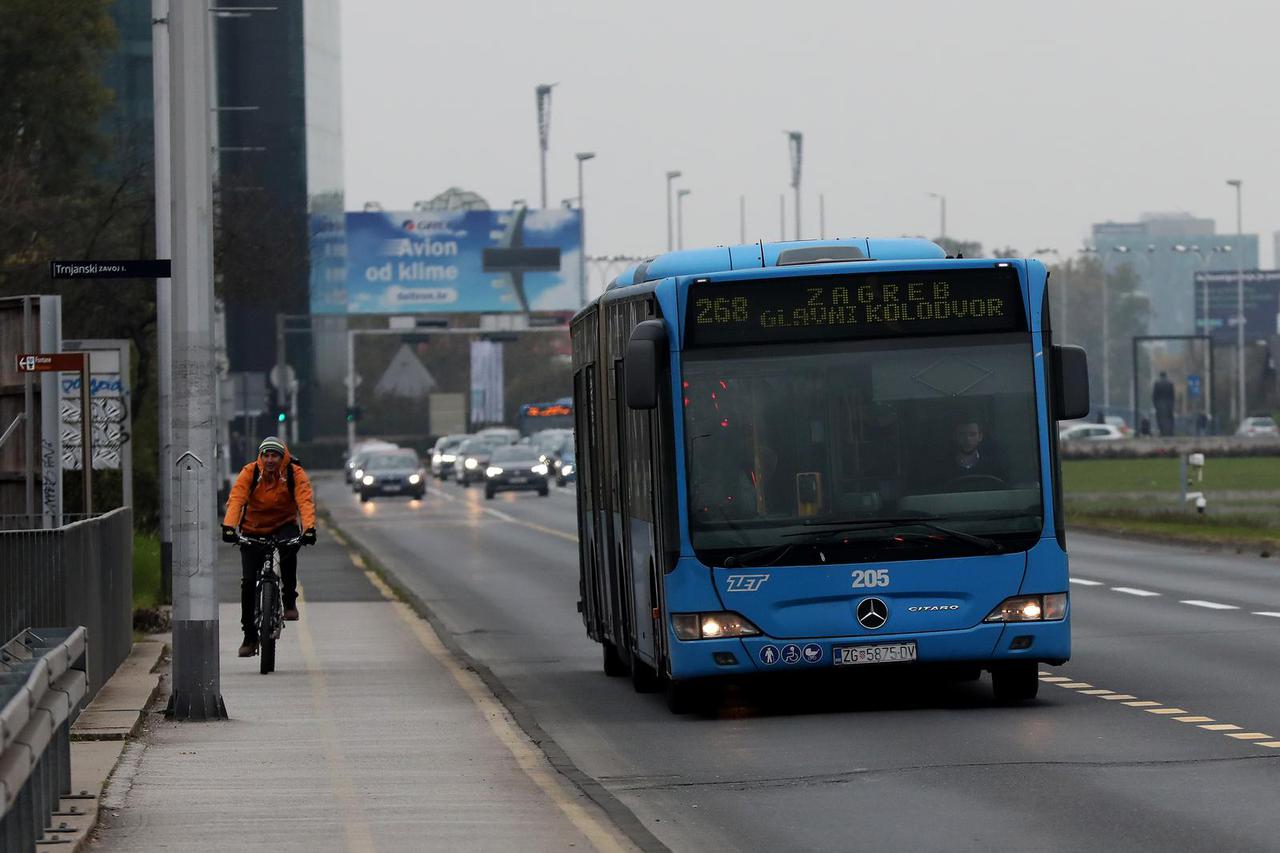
{"x": 1035, "y": 119}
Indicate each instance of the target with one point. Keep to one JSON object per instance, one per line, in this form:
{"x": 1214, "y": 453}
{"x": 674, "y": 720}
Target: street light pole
{"x": 196, "y": 692}
{"x": 942, "y": 199}
{"x": 1106, "y": 321}
{"x": 164, "y": 286}
{"x": 583, "y": 156}
{"x": 671, "y": 176}
{"x": 680, "y": 194}
{"x": 795, "y": 141}
{"x": 1242, "y": 406}
{"x": 544, "y": 132}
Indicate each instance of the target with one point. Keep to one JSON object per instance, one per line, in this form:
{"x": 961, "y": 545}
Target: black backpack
{"x": 288, "y": 477}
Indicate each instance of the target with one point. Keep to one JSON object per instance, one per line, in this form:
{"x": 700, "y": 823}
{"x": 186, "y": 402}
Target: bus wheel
{"x": 643, "y": 677}
{"x": 1015, "y": 682}
{"x": 685, "y": 697}
{"x": 613, "y": 665}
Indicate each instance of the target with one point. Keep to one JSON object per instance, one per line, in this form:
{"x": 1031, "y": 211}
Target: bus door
{"x": 620, "y": 515}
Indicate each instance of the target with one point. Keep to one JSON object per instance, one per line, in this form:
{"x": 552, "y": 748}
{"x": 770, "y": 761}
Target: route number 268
{"x": 863, "y": 578}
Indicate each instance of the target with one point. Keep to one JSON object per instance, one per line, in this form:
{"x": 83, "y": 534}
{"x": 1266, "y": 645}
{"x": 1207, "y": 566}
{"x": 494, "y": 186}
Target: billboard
{"x": 1261, "y": 305}
{"x": 412, "y": 262}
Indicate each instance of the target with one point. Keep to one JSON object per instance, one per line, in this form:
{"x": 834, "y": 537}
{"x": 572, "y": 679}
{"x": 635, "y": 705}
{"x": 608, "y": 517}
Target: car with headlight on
{"x": 445, "y": 454}
{"x": 566, "y": 468}
{"x": 552, "y": 444}
{"x": 360, "y": 450}
{"x": 356, "y": 464}
{"x": 509, "y": 435}
{"x": 473, "y": 458}
{"x": 515, "y": 468}
{"x": 398, "y": 472}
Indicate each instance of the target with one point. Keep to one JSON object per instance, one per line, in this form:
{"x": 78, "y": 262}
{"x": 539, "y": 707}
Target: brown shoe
{"x": 248, "y": 648}
{"x": 291, "y": 614}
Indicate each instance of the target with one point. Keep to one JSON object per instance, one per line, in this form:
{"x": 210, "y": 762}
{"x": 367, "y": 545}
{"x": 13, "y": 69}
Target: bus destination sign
{"x": 843, "y": 307}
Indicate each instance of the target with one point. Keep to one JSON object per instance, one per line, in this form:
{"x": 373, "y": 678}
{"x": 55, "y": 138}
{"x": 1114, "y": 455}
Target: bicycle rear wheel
{"x": 267, "y": 628}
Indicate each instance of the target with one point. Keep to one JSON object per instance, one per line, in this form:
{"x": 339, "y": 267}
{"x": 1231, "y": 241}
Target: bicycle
{"x": 268, "y": 611}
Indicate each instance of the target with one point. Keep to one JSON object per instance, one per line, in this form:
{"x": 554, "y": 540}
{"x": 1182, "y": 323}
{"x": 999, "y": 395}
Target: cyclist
{"x": 270, "y": 496}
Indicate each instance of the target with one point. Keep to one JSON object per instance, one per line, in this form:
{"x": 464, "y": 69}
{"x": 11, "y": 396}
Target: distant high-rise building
{"x": 279, "y": 86}
{"x": 128, "y": 122}
{"x": 1166, "y": 250}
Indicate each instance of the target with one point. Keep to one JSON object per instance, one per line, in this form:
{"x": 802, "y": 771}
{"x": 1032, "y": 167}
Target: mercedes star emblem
{"x": 872, "y": 613}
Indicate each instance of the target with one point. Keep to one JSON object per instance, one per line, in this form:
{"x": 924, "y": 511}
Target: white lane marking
{"x": 432, "y": 490}
{"x": 1128, "y": 590}
{"x": 1083, "y": 582}
{"x": 1212, "y": 605}
{"x": 1266, "y": 613}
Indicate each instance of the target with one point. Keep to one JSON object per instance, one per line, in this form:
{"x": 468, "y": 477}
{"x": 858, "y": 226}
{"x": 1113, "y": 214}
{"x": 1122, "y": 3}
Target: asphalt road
{"x": 1162, "y": 733}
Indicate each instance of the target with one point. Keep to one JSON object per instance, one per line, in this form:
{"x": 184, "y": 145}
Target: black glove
{"x": 309, "y": 536}
{"x": 229, "y": 535}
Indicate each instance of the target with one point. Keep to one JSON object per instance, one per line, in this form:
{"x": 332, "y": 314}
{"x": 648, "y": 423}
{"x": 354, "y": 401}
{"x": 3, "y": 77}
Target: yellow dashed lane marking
{"x": 1160, "y": 709}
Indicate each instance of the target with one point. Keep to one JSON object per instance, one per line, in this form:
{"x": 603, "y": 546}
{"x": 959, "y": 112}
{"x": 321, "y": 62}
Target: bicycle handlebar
{"x": 267, "y": 541}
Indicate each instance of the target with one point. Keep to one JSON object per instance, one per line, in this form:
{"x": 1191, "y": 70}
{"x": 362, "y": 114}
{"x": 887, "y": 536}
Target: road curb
{"x": 621, "y": 816}
{"x": 1219, "y": 547}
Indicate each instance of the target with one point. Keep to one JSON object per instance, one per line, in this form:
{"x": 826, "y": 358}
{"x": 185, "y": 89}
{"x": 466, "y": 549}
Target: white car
{"x": 1258, "y": 426}
{"x": 1091, "y": 432}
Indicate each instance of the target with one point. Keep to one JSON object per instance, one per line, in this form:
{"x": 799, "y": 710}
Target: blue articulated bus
{"x": 823, "y": 455}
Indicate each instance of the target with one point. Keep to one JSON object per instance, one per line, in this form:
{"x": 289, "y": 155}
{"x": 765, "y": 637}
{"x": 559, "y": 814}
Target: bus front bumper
{"x": 983, "y": 645}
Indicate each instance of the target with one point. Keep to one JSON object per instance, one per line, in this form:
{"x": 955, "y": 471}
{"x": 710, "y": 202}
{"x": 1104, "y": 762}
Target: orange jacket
{"x": 270, "y": 507}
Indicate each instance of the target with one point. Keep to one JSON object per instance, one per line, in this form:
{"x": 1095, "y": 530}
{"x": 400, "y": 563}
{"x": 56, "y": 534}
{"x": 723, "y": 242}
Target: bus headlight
{"x": 540, "y": 469}
{"x": 712, "y": 626}
{"x": 1030, "y": 608}
{"x": 470, "y": 464}
{"x": 367, "y": 479}
{"x": 492, "y": 471}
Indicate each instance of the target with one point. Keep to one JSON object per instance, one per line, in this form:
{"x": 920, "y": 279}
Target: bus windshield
{"x": 838, "y": 447}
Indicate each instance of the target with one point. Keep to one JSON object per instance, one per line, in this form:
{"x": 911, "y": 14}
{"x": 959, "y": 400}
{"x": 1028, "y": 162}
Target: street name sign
{"x": 138, "y": 268}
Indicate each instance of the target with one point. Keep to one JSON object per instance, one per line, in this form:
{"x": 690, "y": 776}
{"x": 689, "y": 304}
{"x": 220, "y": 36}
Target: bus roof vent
{"x": 820, "y": 255}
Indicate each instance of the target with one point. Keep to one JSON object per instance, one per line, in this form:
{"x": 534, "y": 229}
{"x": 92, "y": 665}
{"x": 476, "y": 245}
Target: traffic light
{"x": 282, "y": 414}
{"x": 354, "y": 413}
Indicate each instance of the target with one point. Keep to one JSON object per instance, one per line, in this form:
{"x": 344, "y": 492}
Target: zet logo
{"x": 745, "y": 583}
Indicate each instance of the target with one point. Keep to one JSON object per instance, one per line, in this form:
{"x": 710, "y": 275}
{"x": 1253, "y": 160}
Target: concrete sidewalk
{"x": 369, "y": 736}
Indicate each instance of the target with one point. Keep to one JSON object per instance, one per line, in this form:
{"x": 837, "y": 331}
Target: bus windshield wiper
{"x": 832, "y": 527}
{"x": 773, "y": 552}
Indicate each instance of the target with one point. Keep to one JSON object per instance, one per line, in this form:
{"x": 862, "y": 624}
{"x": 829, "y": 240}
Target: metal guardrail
{"x": 43, "y": 684}
{"x": 77, "y": 574}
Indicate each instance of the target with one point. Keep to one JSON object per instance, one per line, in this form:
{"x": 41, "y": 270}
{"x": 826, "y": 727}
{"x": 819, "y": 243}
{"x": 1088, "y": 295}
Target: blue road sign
{"x": 1193, "y": 385}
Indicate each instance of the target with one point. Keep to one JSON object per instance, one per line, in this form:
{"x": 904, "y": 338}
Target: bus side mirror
{"x": 1070, "y": 383}
{"x": 640, "y": 369}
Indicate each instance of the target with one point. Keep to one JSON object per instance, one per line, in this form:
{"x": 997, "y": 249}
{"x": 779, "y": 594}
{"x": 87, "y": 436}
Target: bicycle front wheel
{"x": 267, "y": 630}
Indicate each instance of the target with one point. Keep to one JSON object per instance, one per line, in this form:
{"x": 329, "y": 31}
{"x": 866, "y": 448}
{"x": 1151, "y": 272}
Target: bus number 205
{"x": 863, "y": 578}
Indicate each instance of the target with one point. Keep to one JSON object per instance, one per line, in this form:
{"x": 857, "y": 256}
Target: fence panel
{"x": 79, "y": 574}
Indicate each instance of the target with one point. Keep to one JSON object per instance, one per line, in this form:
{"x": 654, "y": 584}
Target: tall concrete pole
{"x": 351, "y": 390}
{"x": 1242, "y": 404}
{"x": 196, "y": 679}
{"x": 680, "y": 194}
{"x": 671, "y": 176}
{"x": 544, "y": 132}
{"x": 795, "y": 140}
{"x": 164, "y": 307}
{"x": 742, "y": 219}
{"x": 583, "y": 156}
